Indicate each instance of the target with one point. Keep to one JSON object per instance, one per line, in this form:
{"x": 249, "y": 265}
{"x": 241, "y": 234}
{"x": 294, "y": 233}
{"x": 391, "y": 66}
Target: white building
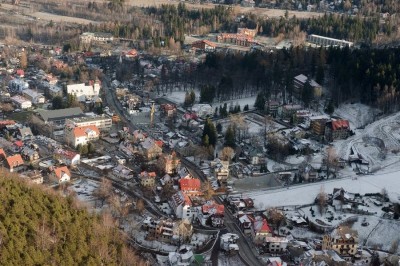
{"x": 182, "y": 205}
{"x": 21, "y": 102}
{"x": 83, "y": 91}
{"x": 203, "y": 110}
{"x": 61, "y": 174}
{"x": 275, "y": 245}
{"x": 102, "y": 122}
{"x": 88, "y": 37}
{"x": 33, "y": 96}
{"x": 81, "y": 135}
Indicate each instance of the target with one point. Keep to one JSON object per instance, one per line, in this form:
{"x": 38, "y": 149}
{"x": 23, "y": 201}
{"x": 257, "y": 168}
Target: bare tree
{"x": 103, "y": 192}
{"x": 322, "y": 199}
{"x": 276, "y": 217}
{"x": 208, "y": 191}
{"x": 7, "y": 107}
{"x": 140, "y": 206}
{"x": 395, "y": 246}
{"x": 227, "y": 154}
{"x": 331, "y": 160}
{"x": 384, "y": 194}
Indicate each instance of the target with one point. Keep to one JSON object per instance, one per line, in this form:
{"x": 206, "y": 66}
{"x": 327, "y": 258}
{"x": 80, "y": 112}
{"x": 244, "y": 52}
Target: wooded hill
{"x": 41, "y": 228}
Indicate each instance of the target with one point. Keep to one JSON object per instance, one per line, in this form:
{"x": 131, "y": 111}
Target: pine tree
{"x": 230, "y": 137}
{"x": 307, "y": 94}
{"x": 260, "y": 101}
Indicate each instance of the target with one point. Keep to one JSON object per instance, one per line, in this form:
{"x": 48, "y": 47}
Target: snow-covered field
{"x": 358, "y": 114}
{"x": 178, "y": 97}
{"x": 306, "y": 193}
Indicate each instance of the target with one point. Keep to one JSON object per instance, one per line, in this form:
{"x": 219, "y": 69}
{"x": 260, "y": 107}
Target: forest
{"x": 40, "y": 227}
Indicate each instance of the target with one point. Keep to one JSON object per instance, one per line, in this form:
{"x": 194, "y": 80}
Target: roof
{"x": 48, "y": 115}
{"x": 204, "y": 41}
{"x": 2, "y": 153}
{"x": 60, "y": 171}
{"x": 340, "y": 124}
{"x": 190, "y": 184}
{"x": 66, "y": 154}
{"x": 19, "y": 143}
{"x": 213, "y": 208}
{"x": 84, "y": 131}
{"x": 15, "y": 160}
{"x": 4, "y": 123}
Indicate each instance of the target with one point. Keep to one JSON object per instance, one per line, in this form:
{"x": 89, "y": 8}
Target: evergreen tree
{"x": 206, "y": 141}
{"x": 307, "y": 94}
{"x": 210, "y": 131}
{"x": 246, "y": 108}
{"x": 330, "y": 108}
{"x": 230, "y": 137}
{"x": 188, "y": 100}
{"x": 260, "y": 101}
{"x": 320, "y": 75}
{"x": 192, "y": 97}
{"x": 219, "y": 128}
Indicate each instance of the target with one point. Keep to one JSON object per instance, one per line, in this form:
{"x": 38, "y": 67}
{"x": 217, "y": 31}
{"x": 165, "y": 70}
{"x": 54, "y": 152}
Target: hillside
{"x": 41, "y": 228}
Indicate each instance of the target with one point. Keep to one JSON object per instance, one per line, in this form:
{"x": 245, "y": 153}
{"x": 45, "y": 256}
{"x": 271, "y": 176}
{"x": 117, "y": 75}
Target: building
{"x": 204, "y": 45}
{"x": 261, "y": 230}
{"x": 147, "y": 179}
{"x": 81, "y": 135}
{"x": 318, "y": 123}
{"x": 61, "y": 175}
{"x": 182, "y": 257}
{"x": 168, "y": 109}
{"x": 17, "y": 85}
{"x": 84, "y": 91}
{"x": 190, "y": 186}
{"x": 21, "y": 102}
{"x": 29, "y": 154}
{"x": 247, "y": 32}
{"x": 150, "y": 149}
{"x": 274, "y": 244}
{"x": 25, "y": 132}
{"x": 212, "y": 214}
{"x": 69, "y": 158}
{"x": 58, "y": 117}
{"x": 15, "y": 163}
{"x": 247, "y": 3}
{"x": 54, "y": 91}
{"x": 172, "y": 163}
{"x": 3, "y": 154}
{"x": 33, "y": 96}
{"x": 299, "y": 83}
{"x": 271, "y": 107}
{"x": 102, "y": 122}
{"x": 288, "y": 111}
{"x": 182, "y": 206}
{"x": 345, "y": 244}
{"x": 221, "y": 170}
{"x": 326, "y": 41}
{"x": 88, "y": 37}
{"x": 203, "y": 110}
{"x": 337, "y": 129}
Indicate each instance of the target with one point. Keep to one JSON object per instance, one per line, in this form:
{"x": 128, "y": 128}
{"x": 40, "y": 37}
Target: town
{"x": 196, "y": 169}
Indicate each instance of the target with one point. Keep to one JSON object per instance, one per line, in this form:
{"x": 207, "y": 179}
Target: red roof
{"x": 14, "y": 160}
{"x": 265, "y": 227}
{"x": 20, "y": 72}
{"x": 340, "y": 124}
{"x": 159, "y": 143}
{"x": 61, "y": 170}
{"x": 190, "y": 184}
{"x": 19, "y": 143}
{"x": 213, "y": 208}
{"x": 5, "y": 123}
{"x": 82, "y": 131}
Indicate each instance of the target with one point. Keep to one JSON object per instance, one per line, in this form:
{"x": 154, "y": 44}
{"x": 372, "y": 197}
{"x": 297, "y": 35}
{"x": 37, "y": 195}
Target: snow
{"x": 358, "y": 114}
{"x": 306, "y": 193}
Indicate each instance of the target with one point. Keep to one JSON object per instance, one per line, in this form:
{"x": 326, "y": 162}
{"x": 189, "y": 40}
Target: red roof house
{"x": 190, "y": 185}
{"x": 14, "y": 162}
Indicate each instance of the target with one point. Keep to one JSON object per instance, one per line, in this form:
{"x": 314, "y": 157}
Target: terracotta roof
{"x": 61, "y": 170}
{"x": 4, "y": 123}
{"x": 19, "y": 143}
{"x": 83, "y": 131}
{"x": 340, "y": 124}
{"x": 213, "y": 208}
{"x": 190, "y": 184}
{"x": 14, "y": 160}
{"x": 159, "y": 143}
{"x": 66, "y": 154}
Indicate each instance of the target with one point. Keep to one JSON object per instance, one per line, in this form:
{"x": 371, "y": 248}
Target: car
{"x": 17, "y": 110}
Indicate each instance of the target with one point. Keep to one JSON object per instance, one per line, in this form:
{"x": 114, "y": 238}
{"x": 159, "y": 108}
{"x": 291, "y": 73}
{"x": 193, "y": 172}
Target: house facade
{"x": 84, "y": 91}
{"x": 337, "y": 129}
{"x": 345, "y": 244}
{"x": 147, "y": 179}
{"x": 69, "y": 158}
{"x": 61, "y": 174}
{"x": 15, "y": 163}
{"x": 81, "y": 135}
{"x": 182, "y": 206}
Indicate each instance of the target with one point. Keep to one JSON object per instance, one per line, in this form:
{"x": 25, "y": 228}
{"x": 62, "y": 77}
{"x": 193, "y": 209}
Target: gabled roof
{"x": 85, "y": 130}
{"x": 340, "y": 124}
{"x": 190, "y": 184}
{"x": 14, "y": 160}
{"x": 60, "y": 171}
{"x": 60, "y": 113}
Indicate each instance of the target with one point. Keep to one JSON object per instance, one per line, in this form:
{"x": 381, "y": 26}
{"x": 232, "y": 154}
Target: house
{"x": 34, "y": 176}
{"x": 150, "y": 149}
{"x": 301, "y": 80}
{"x": 190, "y": 186}
{"x": 25, "y": 132}
{"x": 168, "y": 109}
{"x": 277, "y": 261}
{"x": 123, "y": 172}
{"x": 61, "y": 174}
{"x": 29, "y": 154}
{"x": 248, "y": 3}
{"x": 271, "y": 107}
{"x": 147, "y": 179}
{"x": 52, "y": 80}
{"x": 15, "y": 162}
{"x": 21, "y": 102}
{"x": 211, "y": 214}
{"x": 131, "y": 53}
{"x": 203, "y": 110}
{"x": 183, "y": 206}
{"x": 182, "y": 257}
{"x": 261, "y": 229}
{"x": 343, "y": 242}
{"x": 17, "y": 85}
{"x": 337, "y": 129}
{"x": 67, "y": 157}
{"x": 88, "y": 37}
{"x": 221, "y": 169}
{"x": 81, "y": 135}
{"x": 245, "y": 223}
{"x": 54, "y": 91}
{"x": 166, "y": 180}
{"x": 204, "y": 45}
{"x": 33, "y": 96}
{"x": 84, "y": 91}
{"x": 274, "y": 244}
{"x": 20, "y": 73}
{"x": 172, "y": 163}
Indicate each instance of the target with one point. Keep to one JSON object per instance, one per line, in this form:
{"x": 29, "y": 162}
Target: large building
{"x": 326, "y": 41}
{"x": 345, "y": 244}
{"x": 81, "y": 135}
{"x": 21, "y": 102}
{"x": 243, "y": 37}
{"x": 300, "y": 81}
{"x": 88, "y": 37}
{"x": 204, "y": 45}
{"x": 84, "y": 91}
{"x": 102, "y": 122}
{"x": 58, "y": 117}
{"x": 33, "y": 96}
{"x": 337, "y": 129}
